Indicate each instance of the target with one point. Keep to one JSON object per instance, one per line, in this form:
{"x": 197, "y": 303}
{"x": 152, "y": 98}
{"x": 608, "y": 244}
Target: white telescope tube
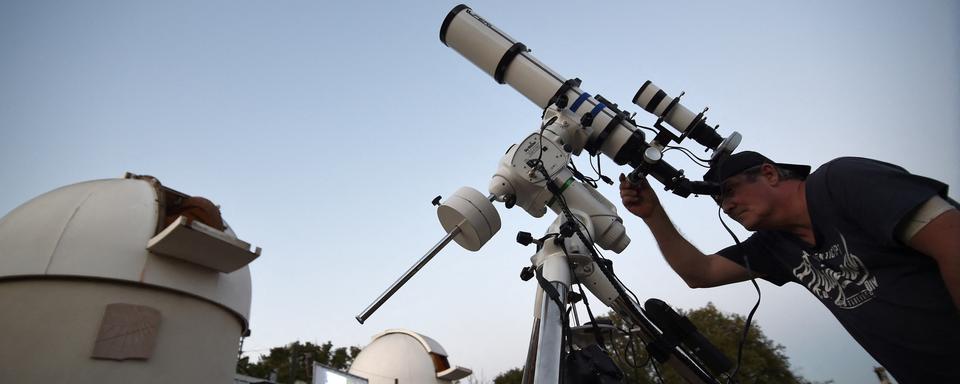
{"x": 612, "y": 132}
{"x": 499, "y": 55}
{"x": 654, "y": 100}
{"x": 509, "y": 62}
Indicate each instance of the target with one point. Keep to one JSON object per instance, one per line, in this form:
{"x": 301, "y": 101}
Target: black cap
{"x": 742, "y": 161}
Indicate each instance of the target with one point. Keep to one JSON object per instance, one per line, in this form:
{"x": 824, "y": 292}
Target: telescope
{"x": 611, "y": 131}
{"x": 535, "y": 174}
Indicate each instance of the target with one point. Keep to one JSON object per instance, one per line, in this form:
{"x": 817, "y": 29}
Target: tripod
{"x": 566, "y": 252}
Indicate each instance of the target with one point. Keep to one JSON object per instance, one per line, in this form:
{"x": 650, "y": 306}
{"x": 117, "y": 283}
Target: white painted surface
{"x": 100, "y": 229}
{"x": 403, "y": 356}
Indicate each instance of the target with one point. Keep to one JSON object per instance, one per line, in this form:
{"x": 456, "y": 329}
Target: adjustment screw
{"x": 586, "y": 120}
{"x": 574, "y": 297}
{"x": 526, "y": 273}
{"x": 509, "y": 201}
{"x": 524, "y": 238}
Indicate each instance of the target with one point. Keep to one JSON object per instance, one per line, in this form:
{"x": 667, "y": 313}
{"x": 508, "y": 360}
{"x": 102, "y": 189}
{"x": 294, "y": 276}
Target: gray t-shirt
{"x": 889, "y": 297}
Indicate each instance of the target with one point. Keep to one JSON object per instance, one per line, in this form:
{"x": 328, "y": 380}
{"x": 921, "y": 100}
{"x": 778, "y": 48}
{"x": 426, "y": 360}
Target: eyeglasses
{"x": 728, "y": 188}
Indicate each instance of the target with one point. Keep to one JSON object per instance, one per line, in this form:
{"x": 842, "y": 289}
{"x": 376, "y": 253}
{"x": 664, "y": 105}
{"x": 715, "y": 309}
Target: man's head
{"x": 752, "y": 187}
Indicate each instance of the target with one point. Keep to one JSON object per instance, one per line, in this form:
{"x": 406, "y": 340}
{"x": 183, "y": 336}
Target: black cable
{"x": 635, "y": 310}
{"x": 586, "y": 304}
{"x": 653, "y": 363}
{"x": 631, "y": 346}
{"x": 596, "y": 169}
{"x": 540, "y": 145}
{"x": 617, "y": 278}
{"x": 746, "y": 326}
{"x": 583, "y": 296}
{"x": 598, "y": 257}
{"x": 649, "y": 129}
{"x": 579, "y": 175}
{"x": 696, "y": 159}
{"x": 565, "y": 334}
{"x": 633, "y": 295}
{"x": 628, "y": 348}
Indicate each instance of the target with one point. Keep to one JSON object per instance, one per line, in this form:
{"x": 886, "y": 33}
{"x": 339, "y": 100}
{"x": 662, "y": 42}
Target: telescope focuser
{"x": 673, "y": 180}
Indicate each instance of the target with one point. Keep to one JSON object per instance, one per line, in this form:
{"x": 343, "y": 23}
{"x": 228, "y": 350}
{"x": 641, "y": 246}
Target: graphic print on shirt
{"x": 848, "y": 284}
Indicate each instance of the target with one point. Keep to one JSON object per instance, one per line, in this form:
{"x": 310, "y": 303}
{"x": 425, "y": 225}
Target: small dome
{"x": 407, "y": 356}
{"x": 100, "y": 229}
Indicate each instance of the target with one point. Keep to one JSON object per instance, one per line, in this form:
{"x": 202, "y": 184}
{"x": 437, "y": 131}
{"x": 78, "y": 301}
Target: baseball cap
{"x": 742, "y": 161}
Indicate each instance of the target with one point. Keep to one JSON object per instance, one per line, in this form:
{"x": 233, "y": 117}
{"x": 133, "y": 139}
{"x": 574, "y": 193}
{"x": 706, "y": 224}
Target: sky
{"x": 324, "y": 129}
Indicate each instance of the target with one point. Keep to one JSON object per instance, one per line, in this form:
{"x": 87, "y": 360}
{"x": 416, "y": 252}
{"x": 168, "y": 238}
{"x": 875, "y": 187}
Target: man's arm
{"x": 940, "y": 239}
{"x": 928, "y": 226}
{"x": 695, "y": 268}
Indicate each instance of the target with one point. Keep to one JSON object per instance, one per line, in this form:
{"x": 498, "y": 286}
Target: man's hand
{"x": 639, "y": 199}
{"x": 696, "y": 269}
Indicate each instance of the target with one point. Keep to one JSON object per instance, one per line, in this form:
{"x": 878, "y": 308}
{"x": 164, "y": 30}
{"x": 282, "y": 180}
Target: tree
{"x": 513, "y": 376}
{"x": 298, "y": 358}
{"x": 763, "y": 360}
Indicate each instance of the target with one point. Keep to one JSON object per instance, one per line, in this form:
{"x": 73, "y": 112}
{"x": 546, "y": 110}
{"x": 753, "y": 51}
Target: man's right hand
{"x": 639, "y": 199}
{"x": 696, "y": 269}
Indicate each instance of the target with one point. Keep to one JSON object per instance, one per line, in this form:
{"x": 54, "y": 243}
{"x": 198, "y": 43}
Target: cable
{"x": 696, "y": 159}
{"x": 599, "y": 254}
{"x": 596, "y": 169}
{"x": 540, "y": 154}
{"x": 631, "y": 347}
{"x": 597, "y": 258}
{"x": 628, "y": 347}
{"x": 653, "y": 363}
{"x": 649, "y": 129}
{"x": 584, "y": 238}
{"x": 636, "y": 311}
{"x": 746, "y": 326}
{"x": 580, "y": 176}
{"x": 583, "y": 296}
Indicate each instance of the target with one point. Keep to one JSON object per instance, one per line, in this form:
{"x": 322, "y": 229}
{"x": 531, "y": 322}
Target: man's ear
{"x": 770, "y": 174}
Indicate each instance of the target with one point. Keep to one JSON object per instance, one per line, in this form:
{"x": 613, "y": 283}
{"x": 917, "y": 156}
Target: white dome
{"x": 407, "y": 356}
{"x": 100, "y": 229}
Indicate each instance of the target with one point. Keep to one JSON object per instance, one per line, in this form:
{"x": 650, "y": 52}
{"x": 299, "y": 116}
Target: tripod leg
{"x": 555, "y": 272}
{"x": 530, "y": 366}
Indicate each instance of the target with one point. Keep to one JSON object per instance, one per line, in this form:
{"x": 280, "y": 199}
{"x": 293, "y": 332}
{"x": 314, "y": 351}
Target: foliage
{"x": 299, "y": 358}
{"x": 513, "y": 376}
{"x": 763, "y": 360}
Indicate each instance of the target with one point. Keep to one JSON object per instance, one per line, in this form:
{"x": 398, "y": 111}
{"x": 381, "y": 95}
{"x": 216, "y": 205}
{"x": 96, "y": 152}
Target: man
{"x": 878, "y": 246}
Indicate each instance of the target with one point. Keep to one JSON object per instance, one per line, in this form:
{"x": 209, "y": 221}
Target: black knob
{"x": 524, "y": 238}
{"x": 587, "y": 119}
{"x": 526, "y": 273}
{"x": 562, "y": 101}
{"x": 509, "y": 201}
{"x": 436, "y": 200}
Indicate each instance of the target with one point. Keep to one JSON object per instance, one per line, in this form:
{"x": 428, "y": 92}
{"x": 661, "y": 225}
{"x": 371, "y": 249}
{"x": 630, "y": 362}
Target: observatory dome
{"x": 398, "y": 355}
{"x": 121, "y": 281}
{"x": 99, "y": 229}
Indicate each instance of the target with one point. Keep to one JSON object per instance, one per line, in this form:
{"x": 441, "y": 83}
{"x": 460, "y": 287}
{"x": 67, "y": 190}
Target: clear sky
{"x": 324, "y": 129}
